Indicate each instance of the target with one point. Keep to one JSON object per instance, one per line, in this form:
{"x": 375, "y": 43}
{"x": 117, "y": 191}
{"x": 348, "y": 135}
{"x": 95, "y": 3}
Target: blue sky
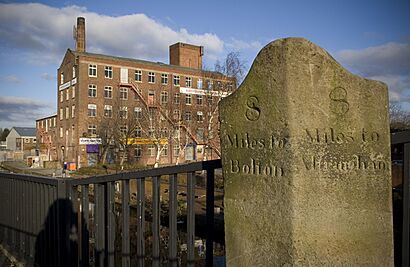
{"x": 370, "y": 38}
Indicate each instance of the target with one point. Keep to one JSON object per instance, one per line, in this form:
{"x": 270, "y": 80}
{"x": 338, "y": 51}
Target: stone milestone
{"x": 306, "y": 161}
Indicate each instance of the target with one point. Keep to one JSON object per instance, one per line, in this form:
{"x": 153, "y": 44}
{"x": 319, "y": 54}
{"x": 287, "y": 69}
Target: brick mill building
{"x": 114, "y": 109}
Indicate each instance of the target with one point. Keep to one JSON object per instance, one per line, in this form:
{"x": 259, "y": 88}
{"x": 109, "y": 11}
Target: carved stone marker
{"x": 306, "y": 160}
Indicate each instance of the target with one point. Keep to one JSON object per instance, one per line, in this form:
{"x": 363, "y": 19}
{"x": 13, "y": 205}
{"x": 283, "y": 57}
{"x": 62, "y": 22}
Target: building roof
{"x": 47, "y": 117}
{"x": 132, "y": 60}
{"x": 25, "y": 131}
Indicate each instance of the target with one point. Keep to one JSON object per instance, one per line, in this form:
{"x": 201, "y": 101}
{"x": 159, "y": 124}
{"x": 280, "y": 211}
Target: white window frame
{"x": 177, "y": 80}
{"x": 164, "y": 78}
{"x": 92, "y": 90}
{"x": 92, "y": 70}
{"x": 188, "y": 81}
{"x": 123, "y": 112}
{"x": 164, "y": 97}
{"x": 138, "y": 76}
{"x": 72, "y": 111}
{"x": 199, "y": 100}
{"x": 107, "y": 111}
{"x": 199, "y": 116}
{"x": 138, "y": 112}
{"x": 151, "y": 77}
{"x": 123, "y": 92}
{"x": 108, "y": 72}
{"x": 188, "y": 99}
{"x": 92, "y": 110}
{"x": 108, "y": 92}
{"x": 92, "y": 130}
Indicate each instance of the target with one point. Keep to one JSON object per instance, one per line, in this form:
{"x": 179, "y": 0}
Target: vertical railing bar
{"x": 140, "y": 221}
{"x": 44, "y": 225}
{"x": 85, "y": 234}
{"x": 26, "y": 221}
{"x": 173, "y": 204}
{"x": 155, "y": 221}
{"x": 110, "y": 213}
{"x": 210, "y": 198}
{"x": 406, "y": 206}
{"x": 100, "y": 249}
{"x": 13, "y": 218}
{"x": 125, "y": 201}
{"x": 53, "y": 222}
{"x": 32, "y": 220}
{"x": 191, "y": 219}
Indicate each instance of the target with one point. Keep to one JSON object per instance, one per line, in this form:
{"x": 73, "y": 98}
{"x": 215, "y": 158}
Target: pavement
{"x": 21, "y": 167}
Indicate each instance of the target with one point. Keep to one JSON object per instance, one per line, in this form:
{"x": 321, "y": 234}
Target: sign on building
{"x": 90, "y": 141}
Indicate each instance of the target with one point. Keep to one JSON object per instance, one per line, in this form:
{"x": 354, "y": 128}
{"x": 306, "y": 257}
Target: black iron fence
{"x": 47, "y": 221}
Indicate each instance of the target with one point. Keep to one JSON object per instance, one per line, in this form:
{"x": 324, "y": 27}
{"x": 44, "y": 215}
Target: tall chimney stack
{"x": 80, "y": 35}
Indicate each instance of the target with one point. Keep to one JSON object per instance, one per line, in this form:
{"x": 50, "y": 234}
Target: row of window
{"x": 62, "y": 76}
{"x": 123, "y": 113}
{"x": 67, "y": 94}
{"x": 67, "y": 112}
{"x": 151, "y": 77}
{"x": 123, "y": 94}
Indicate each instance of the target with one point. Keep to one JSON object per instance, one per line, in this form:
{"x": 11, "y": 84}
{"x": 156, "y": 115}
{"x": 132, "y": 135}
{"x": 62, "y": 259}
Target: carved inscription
{"x": 339, "y": 103}
{"x": 331, "y": 136}
{"x": 356, "y": 162}
{"x": 253, "y": 111}
{"x": 252, "y": 166}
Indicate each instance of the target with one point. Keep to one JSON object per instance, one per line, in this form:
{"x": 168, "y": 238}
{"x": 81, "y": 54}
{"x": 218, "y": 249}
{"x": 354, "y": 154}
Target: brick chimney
{"x": 186, "y": 55}
{"x": 80, "y": 35}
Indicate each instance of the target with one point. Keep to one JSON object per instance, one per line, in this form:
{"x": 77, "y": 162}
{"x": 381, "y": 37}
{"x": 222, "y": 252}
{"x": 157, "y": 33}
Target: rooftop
{"x": 25, "y": 131}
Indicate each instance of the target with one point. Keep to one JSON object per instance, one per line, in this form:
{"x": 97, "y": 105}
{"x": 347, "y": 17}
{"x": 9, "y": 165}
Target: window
{"x": 210, "y": 85}
{"x": 199, "y": 116}
{"x": 151, "y": 113}
{"x": 188, "y": 81}
{"x": 199, "y": 84}
{"x": 138, "y": 112}
{"x": 108, "y": 72}
{"x": 176, "y": 150}
{"x": 151, "y": 150}
{"x": 67, "y": 94}
{"x": 210, "y": 100}
{"x": 200, "y": 133}
{"x": 199, "y": 99}
{"x": 151, "y": 97}
{"x": 107, "y": 91}
{"x": 176, "y": 98}
{"x": 61, "y": 132}
{"x": 164, "y": 132}
{"x": 188, "y": 99}
{"x": 164, "y": 151}
{"x": 138, "y": 151}
{"x": 73, "y": 71}
{"x": 151, "y": 77}
{"x": 61, "y": 96}
{"x": 123, "y": 112}
{"x": 138, "y": 75}
{"x": 176, "y": 115}
{"x": 92, "y": 90}
{"x": 72, "y": 111}
{"x": 188, "y": 115}
{"x": 123, "y": 93}
{"x": 164, "y": 97}
{"x": 176, "y": 80}
{"x": 164, "y": 78}
{"x": 92, "y": 110}
{"x": 123, "y": 129}
{"x": 73, "y": 92}
{"x": 61, "y": 114}
{"x": 92, "y": 70}
{"x": 138, "y": 132}
{"x": 108, "y": 111}
{"x": 92, "y": 130}
{"x": 151, "y": 131}
{"x": 61, "y": 78}
{"x": 219, "y": 85}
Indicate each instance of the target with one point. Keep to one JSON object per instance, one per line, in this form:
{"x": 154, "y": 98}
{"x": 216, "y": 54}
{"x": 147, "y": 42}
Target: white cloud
{"x": 43, "y": 33}
{"x": 10, "y": 79}
{"x": 389, "y": 63}
{"x": 391, "y": 58}
{"x": 21, "y": 111}
{"x": 238, "y": 45}
{"x": 48, "y": 77}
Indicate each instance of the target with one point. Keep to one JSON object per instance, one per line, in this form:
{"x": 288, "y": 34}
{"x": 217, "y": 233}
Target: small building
{"x": 21, "y": 139}
{"x": 46, "y": 137}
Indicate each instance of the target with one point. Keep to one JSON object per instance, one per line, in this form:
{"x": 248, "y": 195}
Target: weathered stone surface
{"x": 306, "y": 158}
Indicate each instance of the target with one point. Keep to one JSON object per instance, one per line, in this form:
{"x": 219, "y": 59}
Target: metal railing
{"x": 401, "y": 140}
{"x": 46, "y": 221}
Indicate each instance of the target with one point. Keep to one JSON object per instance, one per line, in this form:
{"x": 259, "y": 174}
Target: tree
{"x": 232, "y": 66}
{"x": 399, "y": 118}
{"x": 4, "y": 134}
